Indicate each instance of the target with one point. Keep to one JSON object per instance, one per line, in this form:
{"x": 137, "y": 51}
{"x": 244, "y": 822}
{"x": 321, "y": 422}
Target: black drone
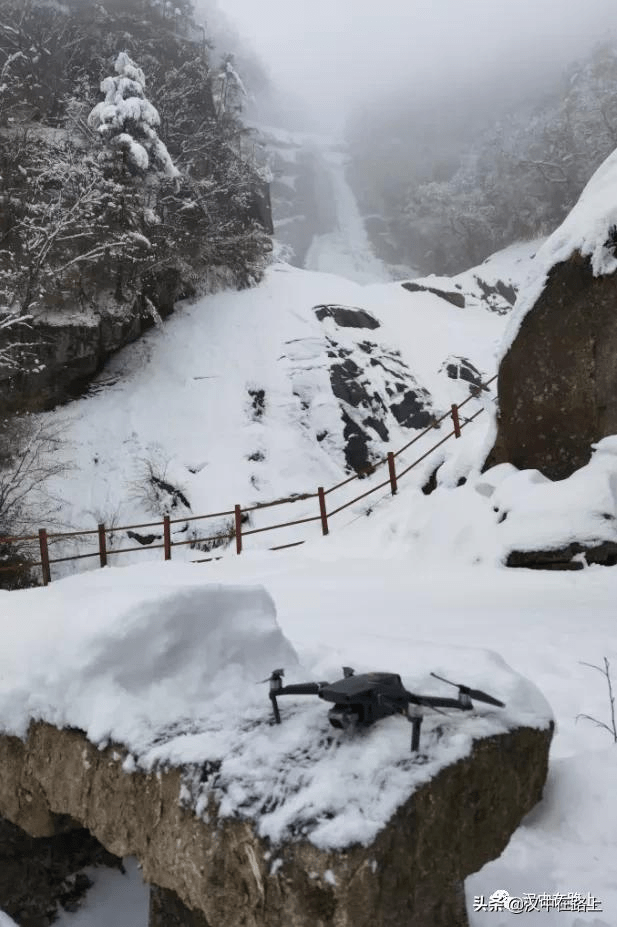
{"x": 364, "y": 699}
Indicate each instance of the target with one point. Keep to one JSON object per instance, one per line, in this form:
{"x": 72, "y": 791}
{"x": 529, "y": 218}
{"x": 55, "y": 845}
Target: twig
{"x": 606, "y": 672}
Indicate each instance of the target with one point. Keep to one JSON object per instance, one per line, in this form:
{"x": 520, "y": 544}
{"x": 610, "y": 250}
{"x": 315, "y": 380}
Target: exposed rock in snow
{"x": 455, "y": 299}
{"x": 347, "y": 317}
{"x": 460, "y": 368}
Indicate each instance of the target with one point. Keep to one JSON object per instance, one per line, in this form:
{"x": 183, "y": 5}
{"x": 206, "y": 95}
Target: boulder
{"x": 215, "y": 871}
{"x": 557, "y": 383}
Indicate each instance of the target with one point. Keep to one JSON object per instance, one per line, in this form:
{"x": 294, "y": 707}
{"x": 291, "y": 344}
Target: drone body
{"x": 368, "y": 697}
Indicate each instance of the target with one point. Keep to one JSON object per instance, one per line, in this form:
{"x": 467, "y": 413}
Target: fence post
{"x": 392, "y": 471}
{"x": 45, "y": 568}
{"x": 102, "y": 546}
{"x": 167, "y": 537}
{"x": 238, "y": 516}
{"x": 456, "y": 421}
{"x": 322, "y": 510}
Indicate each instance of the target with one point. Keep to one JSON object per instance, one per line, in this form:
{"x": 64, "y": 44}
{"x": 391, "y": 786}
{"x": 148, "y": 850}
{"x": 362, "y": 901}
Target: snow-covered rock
{"x": 557, "y": 378}
{"x": 128, "y": 701}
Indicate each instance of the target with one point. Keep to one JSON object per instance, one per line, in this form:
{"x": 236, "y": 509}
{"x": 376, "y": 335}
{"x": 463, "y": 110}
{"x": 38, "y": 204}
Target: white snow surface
{"x": 166, "y": 663}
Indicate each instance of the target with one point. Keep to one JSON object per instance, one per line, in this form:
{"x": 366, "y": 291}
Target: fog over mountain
{"x": 333, "y": 55}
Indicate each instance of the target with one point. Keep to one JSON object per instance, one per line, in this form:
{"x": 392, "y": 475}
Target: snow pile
{"x": 536, "y": 513}
{"x": 122, "y": 656}
{"x": 588, "y": 229}
{"x": 495, "y": 512}
{"x": 115, "y": 898}
{"x": 152, "y": 660}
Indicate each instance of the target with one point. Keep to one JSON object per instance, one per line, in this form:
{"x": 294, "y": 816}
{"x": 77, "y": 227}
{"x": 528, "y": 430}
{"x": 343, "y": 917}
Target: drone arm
{"x": 301, "y": 688}
{"x": 298, "y": 688}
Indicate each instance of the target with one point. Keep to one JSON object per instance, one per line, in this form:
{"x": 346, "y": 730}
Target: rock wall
{"x": 411, "y": 875}
{"x": 557, "y": 384}
{"x": 68, "y": 354}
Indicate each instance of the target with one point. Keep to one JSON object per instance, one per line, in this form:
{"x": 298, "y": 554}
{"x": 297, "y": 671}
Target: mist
{"x": 332, "y": 55}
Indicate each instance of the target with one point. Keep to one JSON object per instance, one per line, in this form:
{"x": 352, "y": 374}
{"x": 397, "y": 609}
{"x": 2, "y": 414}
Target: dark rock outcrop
{"x": 573, "y": 556}
{"x": 455, "y": 299}
{"x": 69, "y": 353}
{"x": 557, "y": 384}
{"x": 166, "y": 910}
{"x": 460, "y": 368}
{"x": 346, "y": 316}
{"x": 364, "y": 408}
{"x": 221, "y": 871}
{"x": 495, "y": 294}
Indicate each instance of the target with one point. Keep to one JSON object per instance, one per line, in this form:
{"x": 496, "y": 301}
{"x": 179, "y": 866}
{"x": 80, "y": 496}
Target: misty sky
{"x": 330, "y": 52}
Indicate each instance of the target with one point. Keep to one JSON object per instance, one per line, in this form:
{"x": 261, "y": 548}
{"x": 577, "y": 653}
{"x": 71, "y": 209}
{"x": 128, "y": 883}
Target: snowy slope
{"x": 252, "y": 396}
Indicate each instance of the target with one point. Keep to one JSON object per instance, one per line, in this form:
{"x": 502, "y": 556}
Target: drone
{"x": 360, "y": 700}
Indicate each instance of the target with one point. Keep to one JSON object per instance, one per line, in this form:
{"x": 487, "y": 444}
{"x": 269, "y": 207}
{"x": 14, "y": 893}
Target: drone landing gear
{"x": 277, "y": 688}
{"x": 415, "y": 717}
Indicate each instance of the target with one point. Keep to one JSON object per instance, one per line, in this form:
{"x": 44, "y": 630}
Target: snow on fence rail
{"x": 101, "y": 532}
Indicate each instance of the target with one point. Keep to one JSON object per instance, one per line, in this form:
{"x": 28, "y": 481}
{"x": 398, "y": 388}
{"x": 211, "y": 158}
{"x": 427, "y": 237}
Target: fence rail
{"x": 101, "y": 532}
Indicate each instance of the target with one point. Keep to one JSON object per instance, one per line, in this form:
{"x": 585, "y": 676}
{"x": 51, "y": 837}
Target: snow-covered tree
{"x": 127, "y": 121}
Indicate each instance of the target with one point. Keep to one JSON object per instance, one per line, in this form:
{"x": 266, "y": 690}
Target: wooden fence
{"x": 101, "y": 533}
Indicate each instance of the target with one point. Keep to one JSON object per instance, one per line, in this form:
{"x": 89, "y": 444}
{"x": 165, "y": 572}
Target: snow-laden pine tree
{"x": 127, "y": 121}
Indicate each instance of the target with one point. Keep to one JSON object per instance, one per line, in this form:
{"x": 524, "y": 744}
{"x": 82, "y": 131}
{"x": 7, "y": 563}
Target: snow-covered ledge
{"x": 140, "y": 720}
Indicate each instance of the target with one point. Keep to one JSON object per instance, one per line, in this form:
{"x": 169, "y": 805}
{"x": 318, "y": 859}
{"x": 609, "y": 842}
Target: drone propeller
{"x": 276, "y": 674}
{"x": 476, "y": 694}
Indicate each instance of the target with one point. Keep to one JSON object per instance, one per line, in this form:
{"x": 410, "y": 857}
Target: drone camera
{"x": 343, "y": 717}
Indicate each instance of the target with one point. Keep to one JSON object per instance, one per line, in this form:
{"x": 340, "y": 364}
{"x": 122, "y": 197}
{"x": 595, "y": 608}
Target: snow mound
{"x": 123, "y": 656}
{"x": 498, "y": 511}
{"x": 588, "y": 229}
{"x": 152, "y": 660}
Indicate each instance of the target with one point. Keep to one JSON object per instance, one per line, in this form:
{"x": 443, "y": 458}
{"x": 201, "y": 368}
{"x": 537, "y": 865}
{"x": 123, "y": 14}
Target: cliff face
{"x": 557, "y": 383}
{"x": 69, "y": 350}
